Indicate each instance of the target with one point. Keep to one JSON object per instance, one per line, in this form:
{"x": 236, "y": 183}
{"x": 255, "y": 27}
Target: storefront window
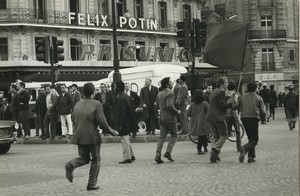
{"x": 3, "y": 49}
{"x": 76, "y": 49}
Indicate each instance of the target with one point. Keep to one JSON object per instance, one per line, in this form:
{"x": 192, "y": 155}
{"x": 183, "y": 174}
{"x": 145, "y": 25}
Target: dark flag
{"x": 225, "y": 45}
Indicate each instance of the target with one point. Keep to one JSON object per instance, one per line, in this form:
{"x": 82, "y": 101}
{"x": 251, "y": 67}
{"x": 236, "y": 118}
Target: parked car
{"x": 7, "y": 134}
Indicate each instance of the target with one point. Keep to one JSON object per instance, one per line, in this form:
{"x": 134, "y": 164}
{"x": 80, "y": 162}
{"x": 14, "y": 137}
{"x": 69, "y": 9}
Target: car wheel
{"x": 142, "y": 125}
{"x": 4, "y": 148}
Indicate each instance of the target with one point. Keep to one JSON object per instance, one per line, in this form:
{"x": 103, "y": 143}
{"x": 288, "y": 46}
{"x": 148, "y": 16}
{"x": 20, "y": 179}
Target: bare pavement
{"x": 38, "y": 169}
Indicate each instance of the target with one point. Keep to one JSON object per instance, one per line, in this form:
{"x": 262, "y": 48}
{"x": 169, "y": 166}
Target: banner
{"x": 225, "y": 45}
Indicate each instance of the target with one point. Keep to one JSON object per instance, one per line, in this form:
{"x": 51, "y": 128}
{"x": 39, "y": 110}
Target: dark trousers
{"x": 219, "y": 131}
{"x": 16, "y": 118}
{"x": 272, "y": 111}
{"x": 202, "y": 141}
{"x": 251, "y": 128}
{"x": 164, "y": 130}
{"x": 150, "y": 123}
{"x": 39, "y": 124}
{"x": 232, "y": 122}
{"x": 52, "y": 119}
{"x": 24, "y": 120}
{"x": 88, "y": 153}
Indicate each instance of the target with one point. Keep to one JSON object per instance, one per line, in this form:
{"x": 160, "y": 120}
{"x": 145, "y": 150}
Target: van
{"x": 136, "y": 76}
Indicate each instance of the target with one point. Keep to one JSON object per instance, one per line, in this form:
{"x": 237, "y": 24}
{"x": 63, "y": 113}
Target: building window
{"x": 76, "y": 49}
{"x": 39, "y": 6}
{"x": 74, "y": 7}
{"x": 268, "y": 63}
{"x": 186, "y": 11}
{"x": 292, "y": 55}
{"x": 102, "y": 7}
{"x": 3, "y": 49}
{"x": 139, "y": 11}
{"x": 266, "y": 25}
{"x": 3, "y": 4}
{"x": 205, "y": 14}
{"x": 108, "y": 43}
{"x": 220, "y": 9}
{"x": 122, "y": 45}
{"x": 266, "y": 3}
{"x": 138, "y": 46}
{"x": 121, "y": 6}
{"x": 162, "y": 9}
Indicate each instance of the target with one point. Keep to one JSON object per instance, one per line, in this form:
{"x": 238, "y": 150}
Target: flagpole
{"x": 240, "y": 80}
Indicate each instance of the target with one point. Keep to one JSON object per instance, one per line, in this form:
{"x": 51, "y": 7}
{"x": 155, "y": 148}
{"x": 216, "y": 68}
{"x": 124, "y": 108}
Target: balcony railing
{"x": 268, "y": 66}
{"x": 61, "y": 18}
{"x": 265, "y": 3}
{"x": 263, "y": 34}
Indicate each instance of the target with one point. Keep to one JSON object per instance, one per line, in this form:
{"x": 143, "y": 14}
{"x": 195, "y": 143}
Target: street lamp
{"x": 116, "y": 62}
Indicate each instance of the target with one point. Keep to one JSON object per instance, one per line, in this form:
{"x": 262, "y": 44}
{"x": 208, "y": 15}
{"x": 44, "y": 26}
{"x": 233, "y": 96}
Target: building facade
{"x": 272, "y": 54}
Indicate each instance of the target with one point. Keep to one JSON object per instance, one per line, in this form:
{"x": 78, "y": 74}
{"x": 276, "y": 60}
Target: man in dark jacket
{"x": 65, "y": 108}
{"x": 216, "y": 117}
{"x": 168, "y": 121}
{"x": 265, "y": 94}
{"x": 125, "y": 122}
{"x": 134, "y": 104}
{"x": 76, "y": 95}
{"x": 87, "y": 116}
{"x": 273, "y": 101}
{"x": 291, "y": 104}
{"x": 148, "y": 101}
{"x": 15, "y": 107}
{"x": 5, "y": 110}
{"x": 40, "y": 110}
{"x": 23, "y": 102}
{"x": 182, "y": 101}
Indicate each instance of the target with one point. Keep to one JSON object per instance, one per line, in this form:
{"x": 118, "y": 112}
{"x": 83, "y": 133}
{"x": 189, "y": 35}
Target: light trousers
{"x": 126, "y": 146}
{"x": 66, "y": 124}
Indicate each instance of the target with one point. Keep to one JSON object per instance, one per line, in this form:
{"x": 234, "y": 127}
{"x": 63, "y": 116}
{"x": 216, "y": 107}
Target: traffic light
{"x": 183, "y": 33}
{"x": 42, "y": 49}
{"x": 58, "y": 50}
{"x": 201, "y": 33}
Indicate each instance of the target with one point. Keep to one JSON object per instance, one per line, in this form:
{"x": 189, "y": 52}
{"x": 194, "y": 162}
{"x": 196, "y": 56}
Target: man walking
{"x": 265, "y": 94}
{"x": 148, "y": 101}
{"x": 291, "y": 104}
{"x": 182, "y": 102}
{"x": 125, "y": 122}
{"x": 87, "y": 116}
{"x": 23, "y": 102}
{"x": 65, "y": 108}
{"x": 273, "y": 101}
{"x": 168, "y": 122}
{"x": 217, "y": 117}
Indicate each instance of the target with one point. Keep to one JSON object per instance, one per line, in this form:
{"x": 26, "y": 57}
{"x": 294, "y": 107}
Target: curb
{"x": 105, "y": 139}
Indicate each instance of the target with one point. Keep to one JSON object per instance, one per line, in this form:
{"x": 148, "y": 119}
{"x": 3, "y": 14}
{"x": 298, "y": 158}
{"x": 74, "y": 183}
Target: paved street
{"x": 38, "y": 169}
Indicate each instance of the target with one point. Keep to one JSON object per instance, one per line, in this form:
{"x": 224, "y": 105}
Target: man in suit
{"x": 125, "y": 122}
{"x": 134, "y": 104}
{"x": 216, "y": 117}
{"x": 87, "y": 116}
{"x": 182, "y": 102}
{"x": 5, "y": 111}
{"x": 40, "y": 111}
{"x": 148, "y": 101}
{"x": 168, "y": 121}
{"x": 75, "y": 94}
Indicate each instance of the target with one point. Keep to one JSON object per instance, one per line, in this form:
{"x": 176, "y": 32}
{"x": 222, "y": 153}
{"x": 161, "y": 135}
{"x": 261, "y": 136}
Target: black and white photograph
{"x": 149, "y": 97}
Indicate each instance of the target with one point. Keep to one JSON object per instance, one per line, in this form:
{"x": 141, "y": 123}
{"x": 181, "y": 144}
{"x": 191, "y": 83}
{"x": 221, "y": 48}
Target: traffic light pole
{"x": 52, "y": 64}
{"x": 193, "y": 58}
{"x": 116, "y": 62}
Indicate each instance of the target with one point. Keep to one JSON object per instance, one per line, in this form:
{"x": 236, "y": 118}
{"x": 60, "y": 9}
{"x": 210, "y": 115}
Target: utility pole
{"x": 116, "y": 62}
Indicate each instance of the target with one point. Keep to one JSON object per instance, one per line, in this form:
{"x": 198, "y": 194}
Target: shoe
{"x": 37, "y": 135}
{"x": 153, "y": 133}
{"x": 132, "y": 158}
{"x": 251, "y": 160}
{"x": 92, "y": 188}
{"x": 59, "y": 137}
{"x": 126, "y": 161}
{"x": 41, "y": 136}
{"x": 209, "y": 141}
{"x": 148, "y": 133}
{"x": 69, "y": 172}
{"x": 213, "y": 159}
{"x": 205, "y": 150}
{"x": 158, "y": 160}
{"x": 26, "y": 137}
{"x": 200, "y": 152}
{"x": 218, "y": 158}
{"x": 169, "y": 157}
{"x": 242, "y": 155}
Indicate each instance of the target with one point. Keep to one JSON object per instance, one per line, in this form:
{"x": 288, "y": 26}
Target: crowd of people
{"x": 207, "y": 112}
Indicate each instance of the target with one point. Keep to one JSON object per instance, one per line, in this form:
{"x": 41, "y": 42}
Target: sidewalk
{"x": 140, "y": 138}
